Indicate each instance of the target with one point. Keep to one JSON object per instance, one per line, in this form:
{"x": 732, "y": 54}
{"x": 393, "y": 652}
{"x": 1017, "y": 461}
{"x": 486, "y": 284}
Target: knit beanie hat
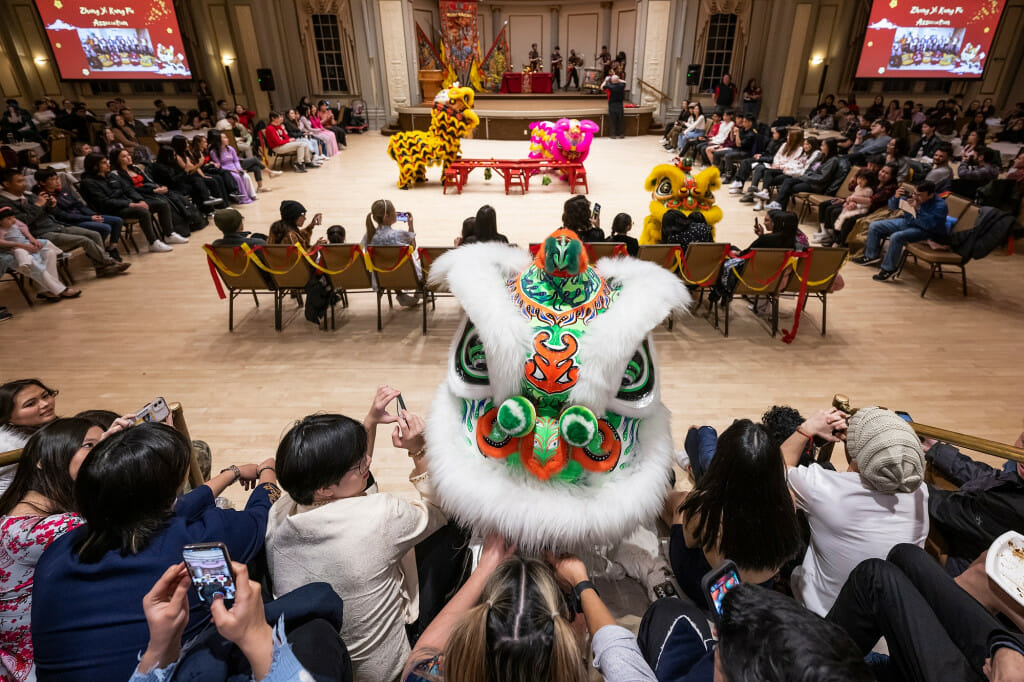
{"x": 887, "y": 451}
{"x": 227, "y": 220}
{"x": 290, "y": 210}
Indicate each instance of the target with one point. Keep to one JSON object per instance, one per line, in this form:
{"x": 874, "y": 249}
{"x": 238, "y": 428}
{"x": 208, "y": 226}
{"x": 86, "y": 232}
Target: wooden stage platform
{"x": 506, "y": 117}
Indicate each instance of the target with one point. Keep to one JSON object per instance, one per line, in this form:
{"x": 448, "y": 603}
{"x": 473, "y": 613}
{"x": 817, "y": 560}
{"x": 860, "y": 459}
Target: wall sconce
{"x": 40, "y": 61}
{"x": 817, "y": 60}
{"x": 227, "y": 60}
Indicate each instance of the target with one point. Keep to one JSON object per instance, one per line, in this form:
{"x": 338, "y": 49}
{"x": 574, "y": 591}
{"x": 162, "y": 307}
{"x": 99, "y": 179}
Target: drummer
{"x": 573, "y": 63}
{"x": 534, "y": 58}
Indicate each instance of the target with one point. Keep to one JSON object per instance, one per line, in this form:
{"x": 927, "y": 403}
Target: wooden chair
{"x": 239, "y": 275}
{"x": 345, "y": 269}
{"x": 59, "y": 146}
{"x": 935, "y": 258}
{"x": 956, "y": 205}
{"x": 395, "y": 270}
{"x": 429, "y": 254}
{"x": 150, "y": 143}
{"x": 598, "y": 250}
{"x": 19, "y": 280}
{"x": 273, "y": 159}
{"x": 663, "y": 255}
{"x": 702, "y": 266}
{"x": 291, "y": 273}
{"x": 810, "y": 202}
{"x": 761, "y": 276}
{"x": 824, "y": 267}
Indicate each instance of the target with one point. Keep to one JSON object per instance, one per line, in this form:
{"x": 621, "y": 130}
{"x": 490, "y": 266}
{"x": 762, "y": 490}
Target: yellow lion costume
{"x": 673, "y": 187}
{"x": 451, "y": 119}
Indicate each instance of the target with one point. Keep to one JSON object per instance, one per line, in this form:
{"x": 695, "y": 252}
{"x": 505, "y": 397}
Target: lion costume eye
{"x": 664, "y": 188}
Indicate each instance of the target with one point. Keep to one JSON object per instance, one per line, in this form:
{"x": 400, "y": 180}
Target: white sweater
{"x": 9, "y": 440}
{"x": 357, "y": 545}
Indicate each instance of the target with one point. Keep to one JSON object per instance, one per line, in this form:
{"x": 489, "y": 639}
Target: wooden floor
{"x": 161, "y": 330}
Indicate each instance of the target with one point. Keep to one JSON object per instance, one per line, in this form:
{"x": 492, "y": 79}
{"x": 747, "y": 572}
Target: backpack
{"x": 990, "y": 231}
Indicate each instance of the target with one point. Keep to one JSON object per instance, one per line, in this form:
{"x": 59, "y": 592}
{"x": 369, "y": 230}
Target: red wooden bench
{"x": 515, "y": 172}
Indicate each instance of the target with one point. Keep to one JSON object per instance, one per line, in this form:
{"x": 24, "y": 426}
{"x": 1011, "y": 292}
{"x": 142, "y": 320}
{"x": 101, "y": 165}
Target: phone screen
{"x": 403, "y": 216}
{"x": 597, "y": 210}
{"x": 905, "y": 417}
{"x": 721, "y": 586}
{"x": 210, "y": 570}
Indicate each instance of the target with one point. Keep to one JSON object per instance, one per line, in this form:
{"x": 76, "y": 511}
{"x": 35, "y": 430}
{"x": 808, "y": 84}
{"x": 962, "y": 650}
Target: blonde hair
{"x": 378, "y": 211}
{"x": 517, "y": 632}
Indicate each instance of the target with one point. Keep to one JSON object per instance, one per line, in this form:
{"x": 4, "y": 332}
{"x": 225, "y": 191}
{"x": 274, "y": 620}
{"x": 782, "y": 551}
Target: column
{"x": 396, "y": 63}
{"x": 606, "y": 27}
{"x": 656, "y": 25}
{"x": 496, "y": 21}
{"x": 554, "y": 39}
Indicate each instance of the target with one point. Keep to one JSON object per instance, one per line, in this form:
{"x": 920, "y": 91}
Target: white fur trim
{"x": 485, "y": 494}
{"x": 476, "y": 274}
{"x": 647, "y": 295}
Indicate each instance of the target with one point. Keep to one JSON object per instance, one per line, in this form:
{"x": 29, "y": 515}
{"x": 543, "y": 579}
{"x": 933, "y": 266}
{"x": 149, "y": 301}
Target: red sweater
{"x": 276, "y": 136}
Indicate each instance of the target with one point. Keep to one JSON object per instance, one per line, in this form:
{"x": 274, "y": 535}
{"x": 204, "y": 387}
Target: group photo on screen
{"x": 928, "y": 48}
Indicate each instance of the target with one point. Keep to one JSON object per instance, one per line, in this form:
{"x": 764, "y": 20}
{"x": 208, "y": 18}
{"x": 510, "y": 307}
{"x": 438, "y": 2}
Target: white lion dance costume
{"x": 549, "y": 427}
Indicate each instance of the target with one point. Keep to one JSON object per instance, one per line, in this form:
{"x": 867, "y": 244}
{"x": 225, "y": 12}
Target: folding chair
{"x": 598, "y": 250}
{"x": 428, "y": 254}
{"x": 824, "y": 267}
{"x": 239, "y": 275}
{"x": 345, "y": 269}
{"x": 19, "y": 280}
{"x": 702, "y": 266}
{"x": 666, "y": 256}
{"x": 936, "y": 258}
{"x": 395, "y": 270}
{"x": 813, "y": 201}
{"x": 760, "y": 276}
{"x": 289, "y": 272}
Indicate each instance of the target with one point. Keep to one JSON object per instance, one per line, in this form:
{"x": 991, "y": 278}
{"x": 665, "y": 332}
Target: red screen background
{"x": 925, "y": 39}
{"x": 115, "y": 39}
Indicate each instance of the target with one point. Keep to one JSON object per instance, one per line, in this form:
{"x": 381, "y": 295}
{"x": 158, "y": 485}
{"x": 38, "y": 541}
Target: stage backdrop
{"x": 928, "y": 40}
{"x": 114, "y": 39}
{"x": 461, "y": 38}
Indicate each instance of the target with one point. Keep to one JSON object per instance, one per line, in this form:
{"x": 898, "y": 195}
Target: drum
{"x": 592, "y": 79}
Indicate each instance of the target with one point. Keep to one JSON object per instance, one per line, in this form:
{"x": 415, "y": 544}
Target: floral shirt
{"x": 22, "y": 541}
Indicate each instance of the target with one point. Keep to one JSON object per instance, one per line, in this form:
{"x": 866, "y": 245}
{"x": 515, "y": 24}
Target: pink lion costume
{"x": 567, "y": 140}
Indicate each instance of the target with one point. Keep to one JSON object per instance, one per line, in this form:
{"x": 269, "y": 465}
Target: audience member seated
{"x": 223, "y": 156}
{"x": 45, "y": 114}
{"x": 576, "y": 215}
{"x": 324, "y": 463}
{"x": 815, "y": 179}
{"x": 336, "y": 234}
{"x": 36, "y": 258}
{"x": 791, "y": 157}
{"x": 987, "y": 503}
{"x": 311, "y": 125}
{"x": 294, "y": 129}
{"x": 170, "y": 207}
{"x": 874, "y": 142}
{"x": 894, "y": 112}
{"x": 123, "y": 134}
{"x": 934, "y": 630}
{"x": 36, "y": 212}
{"x": 689, "y": 147}
{"x": 326, "y": 115}
{"x": 485, "y": 225}
{"x": 759, "y": 159}
{"x": 896, "y": 154}
{"x": 850, "y": 130}
{"x": 26, "y": 405}
{"x": 380, "y": 223}
{"x": 762, "y": 635}
{"x": 79, "y": 150}
{"x": 744, "y": 141}
{"x": 876, "y": 110}
{"x": 621, "y": 226}
{"x": 38, "y": 508}
{"x": 112, "y": 194}
{"x": 289, "y": 229}
{"x": 468, "y": 235}
{"x": 975, "y": 172}
{"x": 863, "y": 512}
{"x": 675, "y": 128}
{"x": 838, "y": 232}
{"x": 1013, "y": 132}
{"x": 1017, "y": 171}
{"x": 72, "y": 211}
{"x": 679, "y": 228}
{"x": 229, "y": 222}
{"x": 689, "y": 131}
{"x": 810, "y": 155}
{"x": 137, "y": 126}
{"x": 941, "y": 173}
{"x": 243, "y": 138}
{"x": 822, "y": 119}
{"x": 17, "y": 123}
{"x": 716, "y": 140}
{"x": 312, "y": 650}
{"x": 740, "y": 510}
{"x": 978, "y": 125}
{"x": 857, "y": 204}
{"x": 135, "y": 526}
{"x": 279, "y": 142}
{"x": 924, "y": 149}
{"x": 928, "y": 223}
{"x": 220, "y": 182}
{"x": 172, "y": 173}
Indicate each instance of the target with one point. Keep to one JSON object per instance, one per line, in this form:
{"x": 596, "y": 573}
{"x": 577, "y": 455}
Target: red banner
{"x": 115, "y": 39}
{"x": 496, "y": 61}
{"x": 461, "y": 37}
{"x": 905, "y": 39}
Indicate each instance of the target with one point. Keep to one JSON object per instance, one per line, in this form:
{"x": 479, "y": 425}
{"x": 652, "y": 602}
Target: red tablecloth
{"x": 512, "y": 81}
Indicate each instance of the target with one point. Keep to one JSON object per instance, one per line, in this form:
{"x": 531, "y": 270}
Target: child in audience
{"x": 621, "y": 226}
{"x": 36, "y": 258}
{"x": 335, "y": 234}
{"x": 856, "y": 204}
{"x": 861, "y": 513}
{"x": 400, "y": 559}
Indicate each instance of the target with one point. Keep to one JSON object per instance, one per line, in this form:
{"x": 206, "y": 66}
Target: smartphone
{"x": 597, "y": 210}
{"x": 155, "y": 411}
{"x": 403, "y": 216}
{"x": 905, "y": 416}
{"x": 209, "y": 566}
{"x": 401, "y": 403}
{"x": 717, "y": 582}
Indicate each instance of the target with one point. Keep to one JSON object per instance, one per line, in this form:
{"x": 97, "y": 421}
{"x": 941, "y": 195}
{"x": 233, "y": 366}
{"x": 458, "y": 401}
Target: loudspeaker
{"x": 693, "y": 74}
{"x": 266, "y": 79}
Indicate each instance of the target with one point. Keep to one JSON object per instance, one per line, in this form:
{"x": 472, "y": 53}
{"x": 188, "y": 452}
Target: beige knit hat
{"x": 887, "y": 451}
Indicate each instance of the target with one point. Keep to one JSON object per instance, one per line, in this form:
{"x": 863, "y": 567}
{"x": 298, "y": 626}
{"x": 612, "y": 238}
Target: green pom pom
{"x": 487, "y": 173}
{"x": 516, "y": 416}
{"x": 545, "y": 181}
{"x": 579, "y": 427}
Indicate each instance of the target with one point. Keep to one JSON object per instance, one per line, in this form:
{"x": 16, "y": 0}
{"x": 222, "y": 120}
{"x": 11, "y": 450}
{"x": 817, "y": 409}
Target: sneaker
{"x": 763, "y": 194}
{"x": 264, "y": 189}
{"x": 107, "y": 270}
{"x": 114, "y": 253}
{"x": 883, "y": 275}
{"x": 274, "y": 173}
{"x": 213, "y": 203}
{"x": 407, "y": 300}
{"x": 737, "y": 185}
{"x": 312, "y": 165}
{"x": 176, "y": 238}
{"x": 864, "y": 260}
{"x": 298, "y": 168}
{"x": 759, "y": 205}
{"x": 747, "y": 198}
{"x": 774, "y": 206}
{"x": 121, "y": 267}
{"x": 159, "y": 247}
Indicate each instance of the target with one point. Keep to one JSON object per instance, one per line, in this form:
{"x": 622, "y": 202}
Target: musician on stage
{"x": 572, "y": 70}
{"x": 534, "y": 58}
{"x": 556, "y": 69}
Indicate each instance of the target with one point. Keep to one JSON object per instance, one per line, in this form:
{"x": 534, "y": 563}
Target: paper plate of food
{"x": 1005, "y": 564}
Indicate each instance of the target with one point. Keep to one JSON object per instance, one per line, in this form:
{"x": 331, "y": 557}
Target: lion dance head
{"x": 672, "y": 186}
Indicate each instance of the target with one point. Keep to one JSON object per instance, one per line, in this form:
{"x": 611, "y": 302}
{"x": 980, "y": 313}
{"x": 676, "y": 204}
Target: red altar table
{"x": 515, "y": 172}
{"x": 516, "y": 82}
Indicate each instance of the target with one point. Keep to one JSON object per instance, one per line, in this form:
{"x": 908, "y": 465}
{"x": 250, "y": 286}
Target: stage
{"x": 506, "y": 116}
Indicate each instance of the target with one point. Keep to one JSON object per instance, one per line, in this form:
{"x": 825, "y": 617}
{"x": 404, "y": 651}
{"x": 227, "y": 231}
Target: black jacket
{"x": 111, "y": 193}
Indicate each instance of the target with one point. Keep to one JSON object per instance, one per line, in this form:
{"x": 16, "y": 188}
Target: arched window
{"x": 718, "y": 50}
{"x": 327, "y": 36}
